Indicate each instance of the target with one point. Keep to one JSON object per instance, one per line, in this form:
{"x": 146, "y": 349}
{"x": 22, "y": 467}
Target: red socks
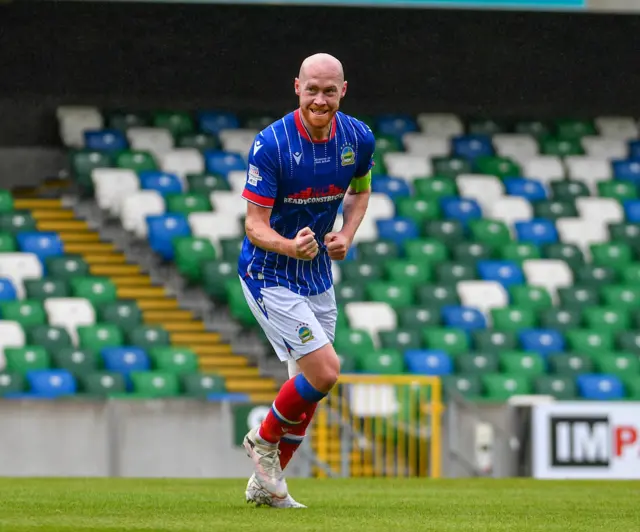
{"x": 292, "y": 440}
{"x": 296, "y": 397}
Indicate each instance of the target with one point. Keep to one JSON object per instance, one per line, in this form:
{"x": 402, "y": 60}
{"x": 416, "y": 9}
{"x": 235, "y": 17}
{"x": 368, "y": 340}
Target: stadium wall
{"x": 245, "y": 57}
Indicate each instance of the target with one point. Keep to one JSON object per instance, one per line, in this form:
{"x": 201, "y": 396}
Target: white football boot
{"x": 266, "y": 464}
{"x": 259, "y": 496}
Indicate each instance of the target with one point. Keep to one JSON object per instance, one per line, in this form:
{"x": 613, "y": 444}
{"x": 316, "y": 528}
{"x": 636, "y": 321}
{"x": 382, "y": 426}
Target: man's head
{"x": 320, "y": 85}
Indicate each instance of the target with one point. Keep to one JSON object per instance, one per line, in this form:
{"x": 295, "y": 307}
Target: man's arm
{"x": 355, "y": 205}
{"x": 261, "y": 235}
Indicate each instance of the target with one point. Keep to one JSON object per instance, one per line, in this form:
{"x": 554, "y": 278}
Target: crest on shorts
{"x": 304, "y": 333}
{"x": 348, "y": 156}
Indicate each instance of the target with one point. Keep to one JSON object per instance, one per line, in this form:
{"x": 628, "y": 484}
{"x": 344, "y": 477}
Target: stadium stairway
{"x": 132, "y": 283}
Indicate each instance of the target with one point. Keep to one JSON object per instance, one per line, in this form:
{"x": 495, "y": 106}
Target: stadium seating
{"x": 503, "y": 258}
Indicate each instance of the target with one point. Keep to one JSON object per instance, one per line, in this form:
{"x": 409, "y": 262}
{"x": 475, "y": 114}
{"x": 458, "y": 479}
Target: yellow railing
{"x": 380, "y": 426}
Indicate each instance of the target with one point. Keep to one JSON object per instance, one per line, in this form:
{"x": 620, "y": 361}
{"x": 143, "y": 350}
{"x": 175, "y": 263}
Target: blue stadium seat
{"x": 634, "y": 149}
{"x": 7, "y": 290}
{"x": 397, "y": 229}
{"x": 466, "y": 318}
{"x": 538, "y": 231}
{"x": 215, "y": 121}
{"x": 393, "y": 187}
{"x": 395, "y": 125}
{"x": 627, "y": 170}
{"x": 526, "y": 188}
{"x": 162, "y": 182}
{"x": 228, "y": 397}
{"x": 471, "y": 146}
{"x": 600, "y": 387}
{"x": 462, "y": 209}
{"x": 428, "y": 362}
{"x": 51, "y": 383}
{"x": 40, "y": 244}
{"x": 125, "y": 359}
{"x": 506, "y": 272}
{"x": 632, "y": 210}
{"x": 105, "y": 140}
{"x": 222, "y": 162}
{"x": 542, "y": 341}
{"x": 163, "y": 228}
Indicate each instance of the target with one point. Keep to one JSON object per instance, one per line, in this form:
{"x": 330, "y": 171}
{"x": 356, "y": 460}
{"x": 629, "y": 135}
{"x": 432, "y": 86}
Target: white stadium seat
{"x": 73, "y": 121}
{"x": 548, "y": 273}
{"x": 182, "y": 161}
{"x": 238, "y": 140}
{"x": 602, "y": 210}
{"x": 605, "y": 147}
{"x": 588, "y": 170}
{"x": 485, "y": 189}
{"x": 582, "y": 233}
{"x": 510, "y": 209}
{"x": 372, "y": 317}
{"x": 237, "y": 180}
{"x": 214, "y": 226}
{"x": 544, "y": 168}
{"x": 156, "y": 140}
{"x": 426, "y": 145}
{"x": 367, "y": 232}
{"x": 18, "y": 267}
{"x": 519, "y": 147}
{"x": 70, "y": 313}
{"x": 137, "y": 206}
{"x": 617, "y": 127}
{"x": 407, "y": 166}
{"x": 228, "y": 202}
{"x": 11, "y": 335}
{"x": 483, "y": 295}
{"x": 380, "y": 206}
{"x": 440, "y": 124}
{"x": 111, "y": 185}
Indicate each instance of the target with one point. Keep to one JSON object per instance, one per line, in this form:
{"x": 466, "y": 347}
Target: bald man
{"x": 301, "y": 168}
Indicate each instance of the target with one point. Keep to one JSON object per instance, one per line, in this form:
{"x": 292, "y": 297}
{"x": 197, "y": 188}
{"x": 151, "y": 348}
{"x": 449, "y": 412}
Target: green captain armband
{"x": 361, "y": 184}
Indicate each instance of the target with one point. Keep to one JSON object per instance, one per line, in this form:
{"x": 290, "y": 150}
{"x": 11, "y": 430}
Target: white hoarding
{"x": 586, "y": 440}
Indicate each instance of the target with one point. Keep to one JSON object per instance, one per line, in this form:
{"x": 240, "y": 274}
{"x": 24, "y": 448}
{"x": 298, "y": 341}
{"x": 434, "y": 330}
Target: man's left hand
{"x": 337, "y": 245}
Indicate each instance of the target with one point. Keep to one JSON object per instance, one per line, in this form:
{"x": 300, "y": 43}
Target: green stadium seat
{"x": 78, "y": 362}
{"x": 469, "y": 386}
{"x": 627, "y": 296}
{"x": 149, "y": 336}
{"x": 501, "y": 386}
{"x": 379, "y": 168}
{"x": 451, "y": 166}
{"x": 519, "y": 252}
{"x": 561, "y": 147}
{"x": 570, "y": 364}
{"x": 126, "y": 315}
{"x": 561, "y": 388}
{"x": 435, "y": 187}
{"x": 532, "y": 297}
{"x": 561, "y": 319}
{"x": 400, "y": 339}
{"x": 187, "y": 203}
{"x": 513, "y": 318}
{"x": 620, "y": 190}
{"x": 607, "y": 318}
{"x": 382, "y": 362}
{"x": 40, "y": 289}
{"x": 231, "y": 248}
{"x": 6, "y": 201}
{"x": 499, "y": 166}
{"x": 179, "y": 360}
{"x": 574, "y": 129}
{"x": 350, "y": 292}
{"x": 490, "y": 232}
{"x": 11, "y": 383}
{"x": 103, "y": 384}
{"x": 406, "y": 271}
{"x": 200, "y": 385}
{"x": 190, "y": 254}
{"x": 486, "y": 126}
{"x": 628, "y": 341}
{"x": 568, "y": 190}
{"x": 520, "y": 363}
{"x": 418, "y": 317}
{"x": 454, "y": 272}
{"x": 588, "y": 341}
{"x": 621, "y": 364}
{"x": 554, "y": 209}
{"x": 377, "y": 252}
{"x": 17, "y": 221}
{"x": 630, "y": 274}
{"x": 449, "y": 231}
{"x": 494, "y": 341}
{"x": 124, "y": 120}
{"x": 348, "y": 363}
{"x": 437, "y": 294}
{"x": 396, "y": 294}
{"x": 535, "y": 128}
{"x": 66, "y": 266}
{"x": 450, "y": 340}
{"x": 7, "y": 243}
{"x": 632, "y": 387}
{"x": 198, "y": 141}
{"x": 27, "y": 358}
{"x": 138, "y": 161}
{"x": 83, "y": 162}
{"x": 96, "y": 337}
{"x": 387, "y": 144}
{"x": 470, "y": 252}
{"x": 569, "y": 253}
{"x": 578, "y": 297}
{"x": 96, "y": 289}
{"x": 52, "y": 339}
{"x": 215, "y": 275}
{"x": 155, "y": 383}
{"x": 425, "y": 249}
{"x": 207, "y": 183}
{"x": 473, "y": 363}
{"x": 594, "y": 275}
{"x": 628, "y": 233}
{"x": 418, "y": 209}
{"x": 613, "y": 255}
{"x": 358, "y": 272}
{"x": 26, "y": 312}
{"x": 178, "y": 123}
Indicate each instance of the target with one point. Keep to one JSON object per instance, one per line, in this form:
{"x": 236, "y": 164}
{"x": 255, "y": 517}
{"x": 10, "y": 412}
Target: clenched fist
{"x": 337, "y": 245}
{"x": 306, "y": 245}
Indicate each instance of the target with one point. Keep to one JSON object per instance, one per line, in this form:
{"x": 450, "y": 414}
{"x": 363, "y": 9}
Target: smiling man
{"x": 301, "y": 168}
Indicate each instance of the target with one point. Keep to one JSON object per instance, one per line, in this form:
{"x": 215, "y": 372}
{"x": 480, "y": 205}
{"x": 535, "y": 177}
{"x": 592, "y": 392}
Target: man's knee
{"x": 321, "y": 368}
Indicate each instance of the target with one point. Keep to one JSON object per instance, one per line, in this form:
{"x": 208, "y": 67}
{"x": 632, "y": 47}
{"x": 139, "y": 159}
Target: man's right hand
{"x": 305, "y": 244}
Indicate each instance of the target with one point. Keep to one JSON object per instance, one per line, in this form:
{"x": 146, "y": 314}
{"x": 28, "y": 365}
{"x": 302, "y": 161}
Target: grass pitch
{"x": 83, "y": 505}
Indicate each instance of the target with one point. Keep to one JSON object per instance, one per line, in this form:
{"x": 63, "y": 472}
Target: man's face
{"x": 320, "y": 91}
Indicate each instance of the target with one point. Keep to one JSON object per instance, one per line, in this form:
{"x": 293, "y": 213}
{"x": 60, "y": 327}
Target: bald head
{"x": 321, "y": 65}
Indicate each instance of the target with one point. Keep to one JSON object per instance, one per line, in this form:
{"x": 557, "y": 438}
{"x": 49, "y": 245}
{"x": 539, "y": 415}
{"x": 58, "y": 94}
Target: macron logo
{"x": 257, "y": 146}
{"x": 297, "y": 157}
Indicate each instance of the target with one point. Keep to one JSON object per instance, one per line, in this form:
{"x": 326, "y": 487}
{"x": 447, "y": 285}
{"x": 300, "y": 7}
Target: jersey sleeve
{"x": 261, "y": 186}
{"x": 365, "y": 160}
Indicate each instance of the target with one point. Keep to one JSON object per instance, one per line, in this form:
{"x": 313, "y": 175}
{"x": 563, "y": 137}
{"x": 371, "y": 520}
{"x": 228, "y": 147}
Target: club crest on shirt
{"x": 304, "y": 333}
{"x": 347, "y": 156}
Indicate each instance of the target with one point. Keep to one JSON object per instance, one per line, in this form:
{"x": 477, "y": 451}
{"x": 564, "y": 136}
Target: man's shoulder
{"x": 357, "y": 126}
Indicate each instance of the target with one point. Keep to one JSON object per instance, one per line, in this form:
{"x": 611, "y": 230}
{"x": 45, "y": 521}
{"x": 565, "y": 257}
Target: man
{"x": 301, "y": 168}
